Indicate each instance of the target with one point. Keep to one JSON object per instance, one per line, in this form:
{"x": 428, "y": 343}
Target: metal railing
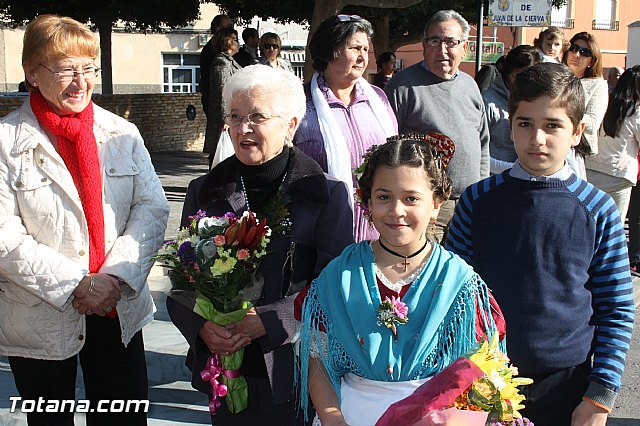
{"x": 563, "y": 23}
{"x": 605, "y": 25}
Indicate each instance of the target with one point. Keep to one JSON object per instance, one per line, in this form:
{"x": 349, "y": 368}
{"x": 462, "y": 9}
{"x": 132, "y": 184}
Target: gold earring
{"x": 432, "y": 227}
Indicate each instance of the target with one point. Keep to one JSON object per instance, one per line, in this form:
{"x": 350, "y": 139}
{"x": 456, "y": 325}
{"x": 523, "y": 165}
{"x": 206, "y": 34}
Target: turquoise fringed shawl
{"x": 345, "y": 297}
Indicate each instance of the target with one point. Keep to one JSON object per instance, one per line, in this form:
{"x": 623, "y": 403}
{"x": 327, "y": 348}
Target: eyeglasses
{"x": 255, "y": 118}
{"x": 347, "y": 18}
{"x": 268, "y": 46}
{"x": 89, "y": 73}
{"x": 587, "y": 53}
{"x": 437, "y": 42}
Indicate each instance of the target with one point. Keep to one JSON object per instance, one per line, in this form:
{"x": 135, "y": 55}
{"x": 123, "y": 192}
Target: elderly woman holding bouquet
{"x": 311, "y": 223}
{"x": 82, "y": 212}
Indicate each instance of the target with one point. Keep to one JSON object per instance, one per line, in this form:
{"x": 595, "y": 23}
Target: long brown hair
{"x": 595, "y": 69}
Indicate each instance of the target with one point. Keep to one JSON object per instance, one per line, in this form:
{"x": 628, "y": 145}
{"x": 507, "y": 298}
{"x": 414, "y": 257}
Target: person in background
{"x": 496, "y": 99}
{"x": 222, "y": 67}
{"x": 488, "y": 73}
{"x": 633, "y": 215}
{"x": 584, "y": 58}
{"x": 613, "y": 76}
{"x": 82, "y": 213}
{"x": 551, "y": 43}
{"x": 206, "y": 56}
{"x": 552, "y": 249}
{"x": 311, "y": 224}
{"x": 614, "y": 169}
{"x": 248, "y": 53}
{"x": 386, "y": 63}
{"x": 270, "y": 49}
{"x": 434, "y": 95}
{"x": 345, "y": 114}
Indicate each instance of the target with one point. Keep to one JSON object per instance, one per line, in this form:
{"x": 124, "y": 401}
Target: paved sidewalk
{"x": 173, "y": 401}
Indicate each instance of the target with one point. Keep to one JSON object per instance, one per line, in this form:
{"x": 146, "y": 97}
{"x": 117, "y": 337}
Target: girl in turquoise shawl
{"x": 387, "y": 315}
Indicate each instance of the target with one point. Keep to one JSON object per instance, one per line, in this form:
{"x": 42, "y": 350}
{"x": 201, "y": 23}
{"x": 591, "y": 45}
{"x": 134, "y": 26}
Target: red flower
{"x": 242, "y": 254}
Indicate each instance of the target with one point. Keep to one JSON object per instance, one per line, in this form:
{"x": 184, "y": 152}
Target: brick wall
{"x": 160, "y": 117}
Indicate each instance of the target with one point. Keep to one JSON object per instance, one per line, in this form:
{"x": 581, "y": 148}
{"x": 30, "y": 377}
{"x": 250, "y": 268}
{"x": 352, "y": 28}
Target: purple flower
{"x": 200, "y": 214}
{"x": 230, "y": 215}
{"x": 186, "y": 255}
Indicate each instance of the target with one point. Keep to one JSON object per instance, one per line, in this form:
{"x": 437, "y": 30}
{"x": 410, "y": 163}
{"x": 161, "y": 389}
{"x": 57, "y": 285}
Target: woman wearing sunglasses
{"x": 345, "y": 114}
{"x": 270, "y": 47}
{"x": 585, "y": 60}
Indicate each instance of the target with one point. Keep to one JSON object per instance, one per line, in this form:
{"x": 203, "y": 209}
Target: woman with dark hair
{"x": 223, "y": 66}
{"x": 615, "y": 166}
{"x": 345, "y": 114}
{"x": 270, "y": 48}
{"x": 584, "y": 58}
{"x": 496, "y": 99}
{"x": 386, "y": 68}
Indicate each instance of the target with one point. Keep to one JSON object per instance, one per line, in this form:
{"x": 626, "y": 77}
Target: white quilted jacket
{"x": 44, "y": 239}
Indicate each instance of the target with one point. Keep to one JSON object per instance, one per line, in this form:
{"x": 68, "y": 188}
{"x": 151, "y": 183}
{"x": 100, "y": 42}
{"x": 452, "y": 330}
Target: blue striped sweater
{"x": 555, "y": 256}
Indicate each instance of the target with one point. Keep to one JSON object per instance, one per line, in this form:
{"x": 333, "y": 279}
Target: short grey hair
{"x": 448, "y": 15}
{"x": 283, "y": 87}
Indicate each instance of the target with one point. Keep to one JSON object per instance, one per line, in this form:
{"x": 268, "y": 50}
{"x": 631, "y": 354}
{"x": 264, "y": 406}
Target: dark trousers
{"x": 551, "y": 399}
{"x": 111, "y": 372}
{"x": 634, "y": 225}
{"x": 260, "y": 409}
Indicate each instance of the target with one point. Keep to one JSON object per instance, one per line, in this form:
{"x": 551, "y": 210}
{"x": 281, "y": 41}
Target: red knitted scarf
{"x": 78, "y": 148}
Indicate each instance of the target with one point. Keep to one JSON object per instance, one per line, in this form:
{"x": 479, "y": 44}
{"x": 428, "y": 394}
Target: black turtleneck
{"x": 263, "y": 181}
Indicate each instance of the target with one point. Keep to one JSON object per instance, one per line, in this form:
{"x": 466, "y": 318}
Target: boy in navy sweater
{"x": 552, "y": 249}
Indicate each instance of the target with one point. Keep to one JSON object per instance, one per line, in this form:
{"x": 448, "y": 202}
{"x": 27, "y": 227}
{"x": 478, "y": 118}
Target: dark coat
{"x": 244, "y": 58}
{"x": 222, "y": 67}
{"x": 322, "y": 228}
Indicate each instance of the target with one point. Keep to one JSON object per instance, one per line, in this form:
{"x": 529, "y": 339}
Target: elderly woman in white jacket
{"x": 82, "y": 212}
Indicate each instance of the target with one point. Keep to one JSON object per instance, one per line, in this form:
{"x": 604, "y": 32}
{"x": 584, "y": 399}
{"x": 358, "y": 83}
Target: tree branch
{"x": 396, "y": 4}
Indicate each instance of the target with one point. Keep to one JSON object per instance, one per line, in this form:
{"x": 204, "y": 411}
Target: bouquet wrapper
{"x": 436, "y": 394}
{"x": 234, "y": 386}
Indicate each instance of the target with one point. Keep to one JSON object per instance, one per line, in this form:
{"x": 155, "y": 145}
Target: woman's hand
{"x": 251, "y": 325}
{"x": 221, "y": 341}
{"x": 100, "y": 300}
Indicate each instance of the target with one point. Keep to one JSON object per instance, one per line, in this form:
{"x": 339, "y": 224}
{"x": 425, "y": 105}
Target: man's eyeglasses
{"x": 268, "y": 46}
{"x": 89, "y": 73}
{"x": 255, "y": 118}
{"x": 586, "y": 52}
{"x": 437, "y": 42}
{"x": 346, "y": 18}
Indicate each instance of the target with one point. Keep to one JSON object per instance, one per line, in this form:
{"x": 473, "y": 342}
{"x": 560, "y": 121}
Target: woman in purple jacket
{"x": 345, "y": 114}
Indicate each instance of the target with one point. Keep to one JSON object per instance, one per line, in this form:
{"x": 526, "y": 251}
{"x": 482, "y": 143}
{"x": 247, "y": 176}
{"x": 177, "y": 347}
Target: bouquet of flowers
{"x": 218, "y": 258}
{"x": 477, "y": 389}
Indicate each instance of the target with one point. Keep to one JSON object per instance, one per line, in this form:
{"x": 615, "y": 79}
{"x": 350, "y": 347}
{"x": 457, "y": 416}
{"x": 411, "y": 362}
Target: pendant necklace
{"x": 406, "y": 262}
{"x": 246, "y": 196}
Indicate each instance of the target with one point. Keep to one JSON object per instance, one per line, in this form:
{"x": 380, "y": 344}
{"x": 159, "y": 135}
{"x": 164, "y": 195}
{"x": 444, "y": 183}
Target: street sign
{"x": 519, "y": 13}
{"x": 491, "y": 51}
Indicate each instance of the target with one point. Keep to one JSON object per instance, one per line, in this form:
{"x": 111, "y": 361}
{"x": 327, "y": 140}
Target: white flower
{"x": 497, "y": 380}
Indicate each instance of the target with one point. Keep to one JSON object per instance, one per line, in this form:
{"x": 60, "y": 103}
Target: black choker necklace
{"x": 406, "y": 262}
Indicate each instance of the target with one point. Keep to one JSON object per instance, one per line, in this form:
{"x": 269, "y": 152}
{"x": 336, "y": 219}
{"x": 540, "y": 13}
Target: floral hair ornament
{"x": 441, "y": 146}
